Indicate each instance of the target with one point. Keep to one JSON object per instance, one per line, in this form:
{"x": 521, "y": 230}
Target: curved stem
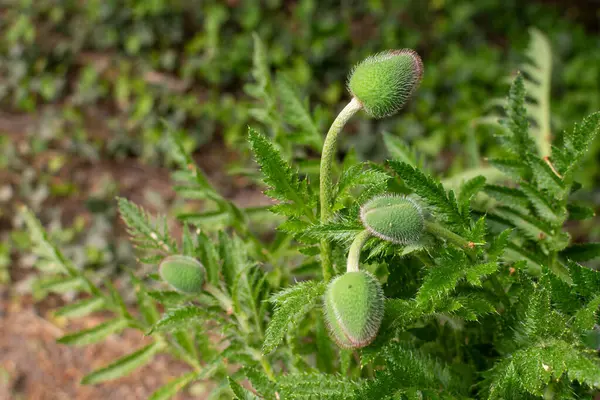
{"x": 355, "y": 248}
{"x": 326, "y": 180}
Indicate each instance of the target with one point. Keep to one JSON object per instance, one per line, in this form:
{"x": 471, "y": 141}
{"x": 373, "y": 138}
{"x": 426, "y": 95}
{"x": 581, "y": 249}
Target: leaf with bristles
{"x": 290, "y": 306}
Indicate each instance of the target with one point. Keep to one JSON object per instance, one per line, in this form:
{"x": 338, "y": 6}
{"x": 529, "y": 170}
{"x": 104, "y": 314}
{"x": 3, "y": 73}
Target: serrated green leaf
{"x": 284, "y": 183}
{"x": 432, "y": 191}
{"x": 60, "y": 284}
{"x": 296, "y": 115}
{"x": 400, "y": 151}
{"x": 358, "y": 175}
{"x": 532, "y": 228}
{"x": 260, "y": 382}
{"x": 585, "y": 319}
{"x": 240, "y": 393}
{"x": 516, "y": 169}
{"x": 539, "y": 71}
{"x": 43, "y": 247}
{"x": 450, "y": 267}
{"x": 499, "y": 244}
{"x": 409, "y": 368}
{"x": 95, "y": 334}
{"x": 180, "y": 318}
{"x": 472, "y": 307}
{"x": 475, "y": 273}
{"x": 581, "y": 251}
{"x": 546, "y": 178}
{"x": 517, "y": 138}
{"x": 260, "y": 71}
{"x": 168, "y": 298}
{"x": 532, "y": 368}
{"x": 149, "y": 235}
{"x": 467, "y": 191}
{"x": 314, "y": 385}
{"x": 173, "y": 386}
{"x": 145, "y": 303}
{"x": 580, "y": 212}
{"x": 232, "y": 251}
{"x": 576, "y": 142}
{"x": 81, "y": 308}
{"x": 291, "y": 305}
{"x": 124, "y": 365}
{"x": 209, "y": 256}
{"x": 542, "y": 205}
{"x": 508, "y": 197}
{"x": 343, "y": 232}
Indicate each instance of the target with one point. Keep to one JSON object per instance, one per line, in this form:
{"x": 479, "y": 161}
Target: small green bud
{"x": 354, "y": 307}
{"x": 185, "y": 274}
{"x": 396, "y": 219}
{"x": 384, "y": 82}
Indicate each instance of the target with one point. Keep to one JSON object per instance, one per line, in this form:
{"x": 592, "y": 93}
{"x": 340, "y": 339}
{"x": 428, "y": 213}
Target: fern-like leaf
{"x": 124, "y": 365}
{"x": 444, "y": 204}
{"x": 530, "y": 370}
{"x": 151, "y": 236}
{"x": 290, "y": 306}
{"x": 284, "y": 183}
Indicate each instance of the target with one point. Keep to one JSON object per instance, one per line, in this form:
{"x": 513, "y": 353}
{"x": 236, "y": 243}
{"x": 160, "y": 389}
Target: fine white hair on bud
{"x": 354, "y": 308}
{"x": 384, "y": 82}
{"x": 183, "y": 273}
{"x": 396, "y": 219}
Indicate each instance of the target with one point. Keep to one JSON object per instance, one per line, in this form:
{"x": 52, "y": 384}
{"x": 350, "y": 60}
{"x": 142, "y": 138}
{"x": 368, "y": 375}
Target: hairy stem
{"x": 355, "y": 248}
{"x": 439, "y": 231}
{"x": 326, "y": 180}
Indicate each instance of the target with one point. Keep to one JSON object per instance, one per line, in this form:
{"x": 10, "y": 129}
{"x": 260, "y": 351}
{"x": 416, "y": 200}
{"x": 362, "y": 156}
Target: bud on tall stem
{"x": 381, "y": 85}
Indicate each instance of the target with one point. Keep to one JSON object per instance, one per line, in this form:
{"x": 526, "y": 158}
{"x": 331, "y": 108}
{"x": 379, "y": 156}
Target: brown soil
{"x": 33, "y": 366}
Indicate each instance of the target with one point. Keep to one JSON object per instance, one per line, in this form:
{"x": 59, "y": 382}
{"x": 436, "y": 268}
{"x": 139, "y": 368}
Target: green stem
{"x": 263, "y": 362}
{"x": 355, "y": 248}
{"x": 439, "y": 231}
{"x": 223, "y": 299}
{"x": 326, "y": 180}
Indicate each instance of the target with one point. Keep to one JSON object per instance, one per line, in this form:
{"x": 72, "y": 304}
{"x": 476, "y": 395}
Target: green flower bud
{"x": 396, "y": 219}
{"x": 185, "y": 274}
{"x": 384, "y": 82}
{"x": 354, "y": 307}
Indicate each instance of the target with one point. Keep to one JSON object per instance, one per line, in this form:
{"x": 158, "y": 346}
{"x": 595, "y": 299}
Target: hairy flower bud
{"x": 384, "y": 82}
{"x": 396, "y": 219}
{"x": 185, "y": 274}
{"x": 354, "y": 307}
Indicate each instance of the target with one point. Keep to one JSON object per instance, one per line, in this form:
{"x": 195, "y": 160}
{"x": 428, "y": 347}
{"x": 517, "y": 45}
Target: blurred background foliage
{"x": 86, "y": 88}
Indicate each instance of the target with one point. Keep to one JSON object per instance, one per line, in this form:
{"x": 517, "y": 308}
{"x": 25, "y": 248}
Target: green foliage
{"x": 124, "y": 365}
{"x": 442, "y": 203}
{"x": 150, "y": 237}
{"x": 488, "y": 303}
{"x": 290, "y": 307}
{"x": 284, "y": 183}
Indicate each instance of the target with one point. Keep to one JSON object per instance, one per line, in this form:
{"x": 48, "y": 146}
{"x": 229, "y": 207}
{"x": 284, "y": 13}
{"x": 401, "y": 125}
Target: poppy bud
{"x": 384, "y": 82}
{"x": 396, "y": 219}
{"x": 354, "y": 308}
{"x": 185, "y": 274}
